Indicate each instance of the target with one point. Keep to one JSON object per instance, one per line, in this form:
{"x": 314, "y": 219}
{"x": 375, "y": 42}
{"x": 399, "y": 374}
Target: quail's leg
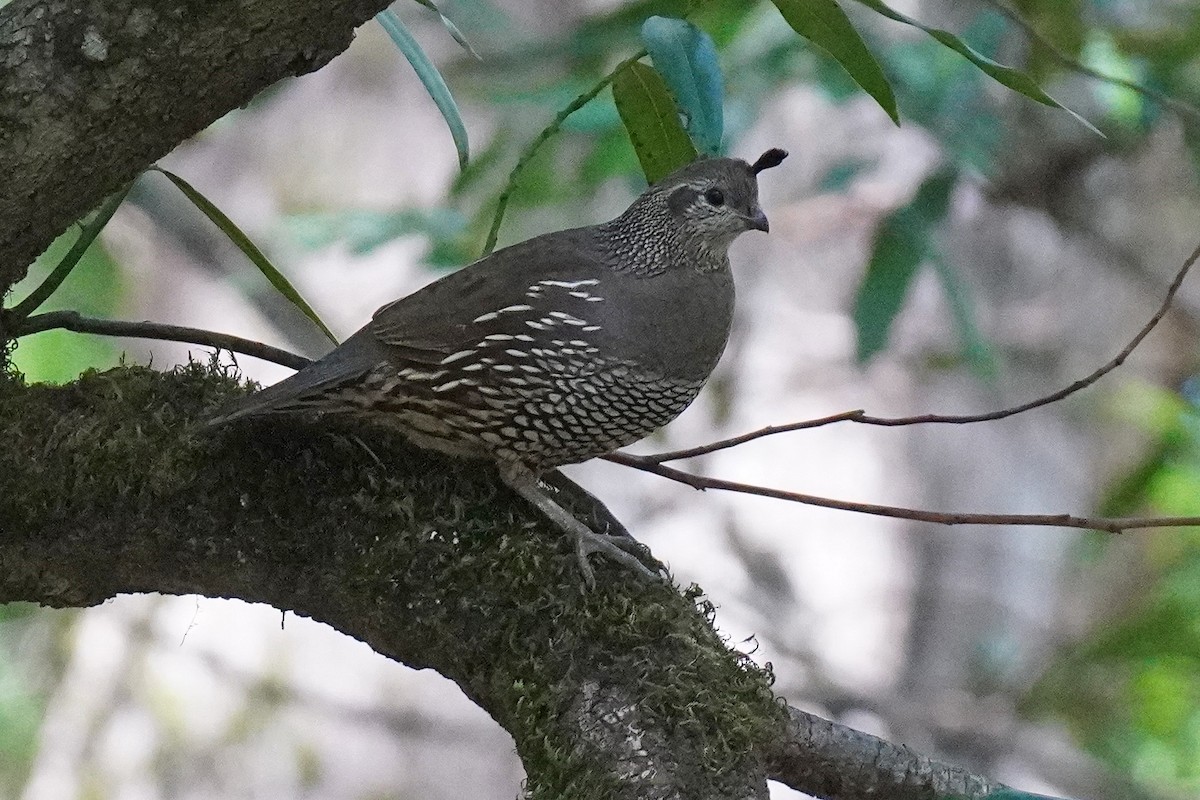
{"x": 597, "y": 516}
{"x": 525, "y": 483}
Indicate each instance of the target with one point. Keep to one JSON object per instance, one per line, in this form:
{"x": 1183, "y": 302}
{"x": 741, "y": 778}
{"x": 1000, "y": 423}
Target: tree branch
{"x": 93, "y": 92}
{"x": 814, "y": 755}
{"x": 108, "y": 486}
{"x": 860, "y": 416}
{"x": 74, "y": 321}
{"x": 701, "y": 482}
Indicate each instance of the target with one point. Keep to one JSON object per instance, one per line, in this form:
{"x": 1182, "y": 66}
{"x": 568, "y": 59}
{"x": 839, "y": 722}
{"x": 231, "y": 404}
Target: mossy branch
{"x": 108, "y": 486}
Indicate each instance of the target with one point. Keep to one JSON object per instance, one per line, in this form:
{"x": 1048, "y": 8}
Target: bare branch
{"x": 861, "y": 416}
{"x": 73, "y": 321}
{"x": 812, "y": 758}
{"x": 701, "y": 482}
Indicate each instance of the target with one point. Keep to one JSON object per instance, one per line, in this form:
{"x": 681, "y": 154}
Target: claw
{"x": 587, "y": 541}
{"x": 615, "y": 547}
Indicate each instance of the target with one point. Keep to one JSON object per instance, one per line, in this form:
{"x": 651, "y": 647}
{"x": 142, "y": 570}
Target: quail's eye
{"x": 715, "y": 197}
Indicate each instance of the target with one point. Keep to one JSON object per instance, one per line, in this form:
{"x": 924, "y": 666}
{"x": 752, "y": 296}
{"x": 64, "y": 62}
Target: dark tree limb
{"x": 825, "y": 759}
{"x": 108, "y": 486}
{"x": 94, "y": 91}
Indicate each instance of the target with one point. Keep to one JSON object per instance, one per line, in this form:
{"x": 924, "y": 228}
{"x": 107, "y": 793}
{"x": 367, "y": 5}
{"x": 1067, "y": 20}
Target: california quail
{"x": 555, "y": 350}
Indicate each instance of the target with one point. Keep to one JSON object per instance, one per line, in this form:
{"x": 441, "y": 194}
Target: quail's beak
{"x": 758, "y": 220}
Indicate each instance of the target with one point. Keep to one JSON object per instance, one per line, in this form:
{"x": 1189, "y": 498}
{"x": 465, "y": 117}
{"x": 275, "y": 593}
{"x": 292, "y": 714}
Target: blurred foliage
{"x": 1130, "y": 689}
{"x": 21, "y": 707}
{"x": 20, "y": 714}
{"x": 902, "y": 243}
{"x": 363, "y": 230}
{"x": 94, "y": 288}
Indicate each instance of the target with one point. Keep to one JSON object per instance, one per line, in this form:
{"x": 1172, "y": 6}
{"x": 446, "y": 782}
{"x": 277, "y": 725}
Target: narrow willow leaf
{"x": 69, "y": 261}
{"x": 686, "y": 58}
{"x": 95, "y": 289}
{"x": 650, "y": 117}
{"x": 825, "y": 24}
{"x": 431, "y": 78}
{"x": 977, "y": 351}
{"x": 243, "y": 243}
{"x": 901, "y": 244}
{"x": 1012, "y": 78}
{"x": 452, "y": 29}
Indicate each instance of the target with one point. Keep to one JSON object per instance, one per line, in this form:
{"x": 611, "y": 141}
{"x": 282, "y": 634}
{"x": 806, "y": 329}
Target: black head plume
{"x": 772, "y": 158}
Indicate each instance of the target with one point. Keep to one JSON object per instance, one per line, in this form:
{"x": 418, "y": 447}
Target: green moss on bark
{"x": 110, "y": 485}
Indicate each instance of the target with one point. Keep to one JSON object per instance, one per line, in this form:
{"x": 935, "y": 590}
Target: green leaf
{"x": 96, "y": 289}
{"x": 976, "y": 350}
{"x": 452, "y": 29}
{"x": 248, "y": 247}
{"x": 431, "y": 78}
{"x": 686, "y": 58}
{"x": 1012, "y": 78}
{"x": 652, "y": 121}
{"x": 901, "y": 244}
{"x": 825, "y": 24}
{"x": 69, "y": 261}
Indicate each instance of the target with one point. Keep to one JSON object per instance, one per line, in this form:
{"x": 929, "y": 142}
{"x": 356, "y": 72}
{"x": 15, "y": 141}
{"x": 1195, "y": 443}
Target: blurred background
{"x": 1055, "y": 660}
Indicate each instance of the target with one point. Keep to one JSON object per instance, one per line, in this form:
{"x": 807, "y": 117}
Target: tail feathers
{"x": 352, "y": 360}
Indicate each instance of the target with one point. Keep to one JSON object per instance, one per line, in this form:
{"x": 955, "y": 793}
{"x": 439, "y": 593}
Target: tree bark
{"x": 93, "y": 91}
{"x": 108, "y": 486}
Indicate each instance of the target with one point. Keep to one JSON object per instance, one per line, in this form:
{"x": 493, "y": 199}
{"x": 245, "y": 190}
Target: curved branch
{"x": 701, "y": 482}
{"x": 91, "y": 93}
{"x": 109, "y": 485}
{"x": 862, "y": 417}
{"x": 74, "y": 321}
{"x": 813, "y": 754}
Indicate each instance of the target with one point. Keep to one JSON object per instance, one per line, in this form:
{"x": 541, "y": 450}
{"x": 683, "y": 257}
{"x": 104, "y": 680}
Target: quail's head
{"x": 715, "y": 200}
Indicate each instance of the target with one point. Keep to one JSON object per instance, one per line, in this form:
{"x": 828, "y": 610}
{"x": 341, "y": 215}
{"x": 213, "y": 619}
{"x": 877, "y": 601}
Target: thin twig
{"x": 1109, "y": 524}
{"x": 73, "y": 321}
{"x": 1178, "y": 106}
{"x": 543, "y": 137}
{"x": 860, "y": 416}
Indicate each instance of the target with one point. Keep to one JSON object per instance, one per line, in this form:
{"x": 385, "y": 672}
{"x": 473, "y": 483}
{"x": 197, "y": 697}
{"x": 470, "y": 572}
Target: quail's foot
{"x": 625, "y": 551}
